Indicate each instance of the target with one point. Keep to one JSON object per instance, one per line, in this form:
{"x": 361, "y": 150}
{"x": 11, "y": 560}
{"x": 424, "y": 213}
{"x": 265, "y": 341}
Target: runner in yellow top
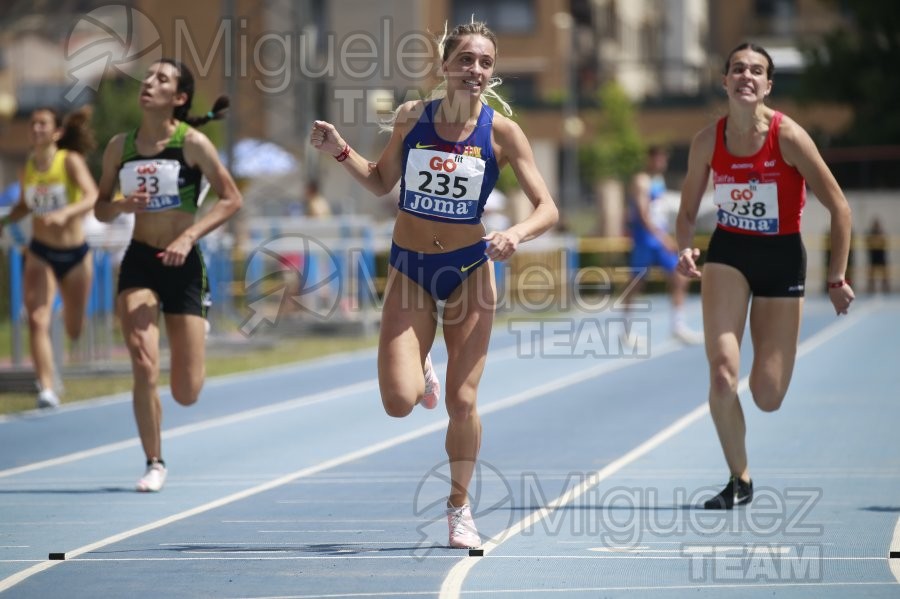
{"x": 58, "y": 190}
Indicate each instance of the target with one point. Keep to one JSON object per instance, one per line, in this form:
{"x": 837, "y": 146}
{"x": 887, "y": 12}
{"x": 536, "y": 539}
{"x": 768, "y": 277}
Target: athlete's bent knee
{"x": 145, "y": 371}
{"x": 39, "y": 321}
{"x": 723, "y": 379}
{"x": 185, "y": 397}
{"x": 397, "y": 406}
{"x": 460, "y": 411}
{"x": 767, "y": 397}
{"x": 73, "y": 330}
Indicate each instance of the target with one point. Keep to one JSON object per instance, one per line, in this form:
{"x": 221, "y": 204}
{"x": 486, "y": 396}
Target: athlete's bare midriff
{"x": 420, "y": 234}
{"x": 161, "y": 228}
{"x": 65, "y": 236}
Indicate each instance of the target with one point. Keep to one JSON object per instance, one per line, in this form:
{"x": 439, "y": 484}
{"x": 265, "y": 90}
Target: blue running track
{"x": 292, "y": 482}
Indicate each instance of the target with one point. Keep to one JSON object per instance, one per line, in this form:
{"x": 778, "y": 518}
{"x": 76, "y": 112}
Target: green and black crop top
{"x": 171, "y": 183}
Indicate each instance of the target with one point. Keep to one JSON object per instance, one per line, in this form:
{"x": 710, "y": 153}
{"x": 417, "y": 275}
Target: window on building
{"x": 774, "y": 8}
{"x": 519, "y": 89}
{"x": 30, "y": 96}
{"x": 607, "y": 19}
{"x": 502, "y": 16}
{"x": 776, "y": 16}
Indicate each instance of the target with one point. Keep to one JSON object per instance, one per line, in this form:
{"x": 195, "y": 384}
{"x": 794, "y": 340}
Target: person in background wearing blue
{"x": 653, "y": 245}
{"x": 447, "y": 154}
{"x": 58, "y": 190}
{"x": 159, "y": 168}
{"x": 10, "y": 197}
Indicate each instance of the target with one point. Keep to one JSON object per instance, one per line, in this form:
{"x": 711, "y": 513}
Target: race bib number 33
{"x": 750, "y": 207}
{"x": 159, "y": 178}
{"x": 443, "y": 185}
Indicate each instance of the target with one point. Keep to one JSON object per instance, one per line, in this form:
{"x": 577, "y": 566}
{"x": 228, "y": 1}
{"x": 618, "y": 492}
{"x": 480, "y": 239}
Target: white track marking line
{"x": 291, "y": 404}
{"x": 441, "y": 425}
{"x": 332, "y": 463}
{"x": 582, "y": 590}
{"x": 452, "y": 585}
{"x": 895, "y": 546}
{"x": 361, "y": 553}
{"x": 214, "y": 381}
{"x": 200, "y": 426}
{"x": 237, "y": 417}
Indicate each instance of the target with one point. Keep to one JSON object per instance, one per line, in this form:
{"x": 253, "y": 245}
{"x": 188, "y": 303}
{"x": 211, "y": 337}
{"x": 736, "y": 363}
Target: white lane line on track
{"x": 441, "y": 425}
{"x": 382, "y": 446}
{"x": 303, "y": 401}
{"x": 895, "y": 546}
{"x": 225, "y": 379}
{"x": 362, "y": 553}
{"x": 211, "y": 382}
{"x": 592, "y": 590}
{"x": 221, "y": 544}
{"x": 452, "y": 585}
{"x": 187, "y": 429}
{"x": 332, "y": 463}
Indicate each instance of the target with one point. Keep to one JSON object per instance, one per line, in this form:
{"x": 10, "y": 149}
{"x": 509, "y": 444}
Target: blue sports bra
{"x": 448, "y": 181}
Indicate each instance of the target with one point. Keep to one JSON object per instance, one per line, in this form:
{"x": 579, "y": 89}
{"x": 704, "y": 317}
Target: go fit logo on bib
{"x": 146, "y": 169}
{"x": 447, "y": 165}
{"x": 745, "y": 194}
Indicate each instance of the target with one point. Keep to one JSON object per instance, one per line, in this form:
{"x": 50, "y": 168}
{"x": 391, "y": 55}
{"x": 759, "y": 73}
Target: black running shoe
{"x": 736, "y": 492}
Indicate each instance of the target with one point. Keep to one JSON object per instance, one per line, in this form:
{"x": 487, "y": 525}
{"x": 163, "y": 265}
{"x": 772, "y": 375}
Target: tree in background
{"x": 617, "y": 151}
{"x": 857, "y": 64}
{"x": 116, "y": 109}
{"x": 612, "y": 157}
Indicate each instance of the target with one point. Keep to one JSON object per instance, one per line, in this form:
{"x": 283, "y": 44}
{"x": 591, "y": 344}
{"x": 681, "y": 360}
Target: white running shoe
{"x": 47, "y": 398}
{"x": 687, "y": 336}
{"x": 154, "y": 478}
{"x": 432, "y": 386}
{"x": 463, "y": 533}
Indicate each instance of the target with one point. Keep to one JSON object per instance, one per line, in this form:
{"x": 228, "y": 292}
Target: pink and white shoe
{"x": 154, "y": 478}
{"x": 463, "y": 533}
{"x": 432, "y": 386}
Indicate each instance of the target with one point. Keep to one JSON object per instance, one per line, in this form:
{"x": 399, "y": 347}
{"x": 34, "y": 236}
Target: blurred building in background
{"x": 286, "y": 62}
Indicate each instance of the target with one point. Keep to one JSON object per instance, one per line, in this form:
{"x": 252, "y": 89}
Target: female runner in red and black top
{"x": 760, "y": 161}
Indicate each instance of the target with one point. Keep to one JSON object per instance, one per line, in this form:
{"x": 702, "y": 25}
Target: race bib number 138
{"x": 752, "y": 208}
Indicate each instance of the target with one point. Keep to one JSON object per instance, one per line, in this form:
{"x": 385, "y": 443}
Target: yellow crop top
{"x": 46, "y": 191}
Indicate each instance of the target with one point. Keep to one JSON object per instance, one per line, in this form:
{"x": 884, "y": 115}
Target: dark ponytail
{"x": 186, "y": 85}
{"x": 215, "y": 113}
{"x": 77, "y": 134}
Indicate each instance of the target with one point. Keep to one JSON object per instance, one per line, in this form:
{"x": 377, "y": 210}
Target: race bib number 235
{"x": 442, "y": 184}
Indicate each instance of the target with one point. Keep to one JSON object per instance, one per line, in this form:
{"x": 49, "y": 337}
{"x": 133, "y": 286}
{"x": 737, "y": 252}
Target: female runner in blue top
{"x": 446, "y": 153}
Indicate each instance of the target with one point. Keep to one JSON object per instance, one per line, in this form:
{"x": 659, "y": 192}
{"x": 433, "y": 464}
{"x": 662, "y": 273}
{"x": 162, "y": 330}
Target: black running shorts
{"x": 774, "y": 265}
{"x": 181, "y": 289}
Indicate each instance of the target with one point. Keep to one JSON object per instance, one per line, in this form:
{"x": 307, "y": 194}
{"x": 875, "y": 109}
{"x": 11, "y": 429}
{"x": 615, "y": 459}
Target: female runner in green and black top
{"x": 159, "y": 167}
